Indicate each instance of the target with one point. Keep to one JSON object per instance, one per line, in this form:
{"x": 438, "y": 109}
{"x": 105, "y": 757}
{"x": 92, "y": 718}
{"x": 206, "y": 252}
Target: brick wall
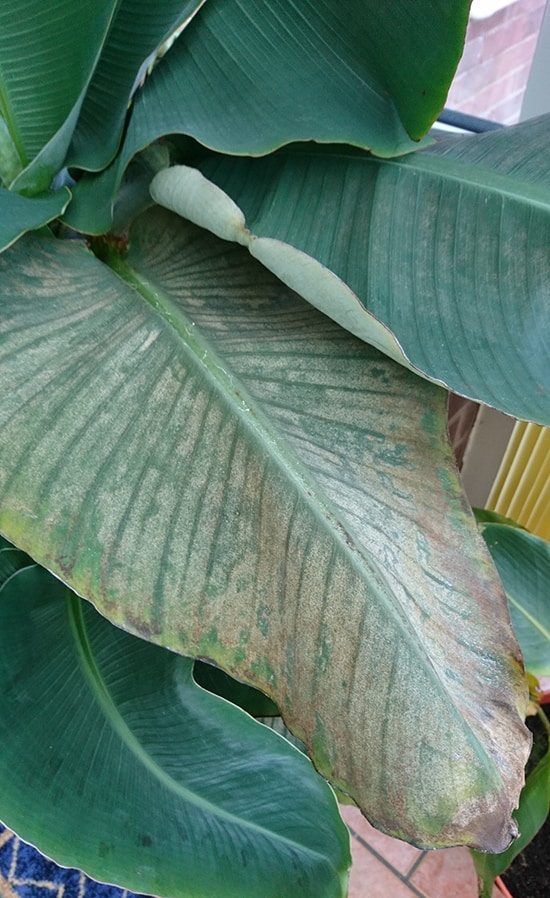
{"x": 491, "y": 78}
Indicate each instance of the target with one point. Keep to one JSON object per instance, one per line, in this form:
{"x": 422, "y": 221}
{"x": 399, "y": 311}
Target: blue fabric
{"x": 25, "y": 873}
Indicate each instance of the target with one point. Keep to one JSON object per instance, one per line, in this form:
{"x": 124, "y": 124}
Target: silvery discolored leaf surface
{"x": 223, "y": 470}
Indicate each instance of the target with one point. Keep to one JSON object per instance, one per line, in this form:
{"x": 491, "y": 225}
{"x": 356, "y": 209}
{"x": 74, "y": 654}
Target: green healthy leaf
{"x": 11, "y": 560}
{"x": 91, "y": 209}
{"x": 19, "y": 214}
{"x": 47, "y": 55}
{"x": 139, "y": 30}
{"x": 225, "y": 471}
{"x": 250, "y": 78}
{"x": 467, "y": 292}
{"x": 112, "y": 759}
{"x": 247, "y": 78}
{"x": 523, "y": 563}
{"x": 486, "y": 516}
{"x": 220, "y": 683}
{"x": 533, "y": 810}
{"x": 109, "y": 201}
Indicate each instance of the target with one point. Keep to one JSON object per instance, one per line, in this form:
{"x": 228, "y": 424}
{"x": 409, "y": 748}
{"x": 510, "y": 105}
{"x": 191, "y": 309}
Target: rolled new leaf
{"x": 447, "y": 251}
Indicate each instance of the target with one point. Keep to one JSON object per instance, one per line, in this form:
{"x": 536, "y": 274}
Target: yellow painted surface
{"x": 522, "y": 486}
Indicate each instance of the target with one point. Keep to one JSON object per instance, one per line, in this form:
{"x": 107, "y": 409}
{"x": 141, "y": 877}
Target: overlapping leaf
{"x": 19, "y": 214}
{"x": 225, "y": 471}
{"x": 47, "y": 56}
{"x": 138, "y": 30}
{"x": 248, "y": 78}
{"x": 523, "y": 563}
{"x": 112, "y": 759}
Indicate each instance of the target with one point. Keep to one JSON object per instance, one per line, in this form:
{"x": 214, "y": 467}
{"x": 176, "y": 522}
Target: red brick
{"x": 476, "y": 79}
{"x": 508, "y": 111}
{"x": 496, "y": 91}
{"x": 535, "y": 19}
{"x": 492, "y": 96}
{"x": 475, "y": 29}
{"x": 507, "y": 35}
{"x": 518, "y": 56}
{"x": 472, "y": 54}
{"x": 504, "y": 46}
{"x": 533, "y": 5}
{"x": 482, "y": 26}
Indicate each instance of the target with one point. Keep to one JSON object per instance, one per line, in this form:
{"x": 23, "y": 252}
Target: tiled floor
{"x": 387, "y": 868}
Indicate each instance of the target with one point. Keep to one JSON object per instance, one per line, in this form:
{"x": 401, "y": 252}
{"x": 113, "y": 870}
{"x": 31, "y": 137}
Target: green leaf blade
{"x": 159, "y": 778}
{"x": 278, "y": 90}
{"x": 278, "y": 55}
{"x": 275, "y": 501}
{"x": 272, "y": 52}
{"x": 523, "y": 562}
{"x": 47, "y": 56}
{"x": 19, "y": 214}
{"x": 137, "y": 32}
{"x": 303, "y": 71}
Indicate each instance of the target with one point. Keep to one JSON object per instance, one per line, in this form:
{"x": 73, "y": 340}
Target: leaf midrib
{"x": 445, "y": 168}
{"x": 535, "y": 622}
{"x": 477, "y": 176}
{"x": 254, "y": 418}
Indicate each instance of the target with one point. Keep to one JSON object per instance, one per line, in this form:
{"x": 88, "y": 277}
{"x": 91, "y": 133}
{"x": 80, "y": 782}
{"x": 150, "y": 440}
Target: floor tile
{"x": 388, "y": 868}
{"x": 399, "y": 854}
{"x": 449, "y": 872}
{"x": 371, "y": 879}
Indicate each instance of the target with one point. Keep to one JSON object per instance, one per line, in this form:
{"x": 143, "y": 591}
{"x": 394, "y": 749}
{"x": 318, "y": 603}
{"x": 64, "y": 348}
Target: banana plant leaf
{"x": 19, "y": 214}
{"x": 249, "y": 78}
{"x": 48, "y": 53}
{"x": 466, "y": 294}
{"x": 223, "y": 470}
{"x": 112, "y": 759}
{"x": 220, "y": 683}
{"x": 138, "y": 31}
{"x": 11, "y": 560}
{"x": 486, "y": 516}
{"x": 523, "y": 563}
